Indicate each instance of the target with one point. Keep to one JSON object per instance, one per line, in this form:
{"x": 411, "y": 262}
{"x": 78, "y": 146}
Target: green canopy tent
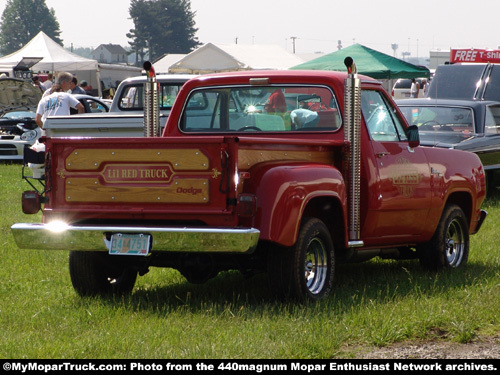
{"x": 368, "y": 62}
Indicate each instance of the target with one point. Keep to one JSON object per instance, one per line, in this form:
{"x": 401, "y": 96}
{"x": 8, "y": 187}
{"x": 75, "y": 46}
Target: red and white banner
{"x": 474, "y": 56}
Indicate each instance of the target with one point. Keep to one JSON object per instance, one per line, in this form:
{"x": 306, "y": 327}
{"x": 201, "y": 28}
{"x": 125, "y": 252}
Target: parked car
{"x": 462, "y": 124}
{"x": 18, "y": 102}
{"x": 401, "y": 89}
{"x": 92, "y": 104}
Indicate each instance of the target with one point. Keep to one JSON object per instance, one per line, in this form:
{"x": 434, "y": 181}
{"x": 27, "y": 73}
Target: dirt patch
{"x": 483, "y": 348}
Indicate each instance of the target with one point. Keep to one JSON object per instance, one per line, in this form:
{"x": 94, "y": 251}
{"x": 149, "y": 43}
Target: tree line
{"x": 160, "y": 26}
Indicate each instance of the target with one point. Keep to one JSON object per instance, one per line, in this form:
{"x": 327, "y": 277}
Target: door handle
{"x": 381, "y": 154}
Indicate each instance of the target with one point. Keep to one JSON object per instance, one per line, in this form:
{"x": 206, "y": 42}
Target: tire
{"x": 304, "y": 272}
{"x": 92, "y": 274}
{"x": 449, "y": 247}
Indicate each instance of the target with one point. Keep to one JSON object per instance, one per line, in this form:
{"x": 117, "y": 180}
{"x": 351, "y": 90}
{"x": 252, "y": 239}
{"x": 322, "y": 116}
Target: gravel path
{"x": 482, "y": 348}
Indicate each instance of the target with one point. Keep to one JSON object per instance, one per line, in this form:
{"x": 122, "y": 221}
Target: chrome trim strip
{"x": 352, "y": 134}
{"x": 93, "y": 238}
{"x": 356, "y": 244}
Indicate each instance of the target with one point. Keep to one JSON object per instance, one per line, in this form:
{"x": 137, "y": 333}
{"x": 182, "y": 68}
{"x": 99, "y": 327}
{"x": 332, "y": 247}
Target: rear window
{"x": 403, "y": 84}
{"x": 455, "y": 81}
{"x": 261, "y": 109}
{"x": 132, "y": 97}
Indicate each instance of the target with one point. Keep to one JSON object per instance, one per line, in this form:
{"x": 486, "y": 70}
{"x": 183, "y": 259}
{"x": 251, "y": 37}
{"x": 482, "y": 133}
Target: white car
{"x": 18, "y": 102}
{"x": 129, "y": 94}
{"x": 401, "y": 89}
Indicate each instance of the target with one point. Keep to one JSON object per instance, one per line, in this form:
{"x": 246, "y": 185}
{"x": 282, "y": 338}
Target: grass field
{"x": 375, "y": 304}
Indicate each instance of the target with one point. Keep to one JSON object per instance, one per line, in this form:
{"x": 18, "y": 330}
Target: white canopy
{"x": 54, "y": 56}
{"x": 163, "y": 64}
{"x": 212, "y": 58}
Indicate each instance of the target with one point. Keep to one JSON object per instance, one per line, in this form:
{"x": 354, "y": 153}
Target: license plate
{"x": 130, "y": 244}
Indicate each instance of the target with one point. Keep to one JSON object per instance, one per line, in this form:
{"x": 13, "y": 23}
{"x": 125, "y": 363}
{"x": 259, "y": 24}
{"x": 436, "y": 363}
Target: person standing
{"x": 425, "y": 87}
{"x": 57, "y": 103}
{"x": 63, "y": 80}
{"x": 39, "y": 84}
{"x": 75, "y": 89}
{"x": 48, "y": 82}
{"x": 276, "y": 102}
{"x": 85, "y": 86}
{"x": 415, "y": 88}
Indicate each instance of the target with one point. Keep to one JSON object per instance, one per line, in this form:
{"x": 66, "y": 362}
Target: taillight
{"x": 31, "y": 202}
{"x": 247, "y": 205}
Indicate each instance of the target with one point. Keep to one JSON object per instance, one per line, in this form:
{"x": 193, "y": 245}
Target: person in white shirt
{"x": 48, "y": 82}
{"x": 415, "y": 88}
{"x": 303, "y": 118}
{"x": 57, "y": 103}
{"x": 425, "y": 87}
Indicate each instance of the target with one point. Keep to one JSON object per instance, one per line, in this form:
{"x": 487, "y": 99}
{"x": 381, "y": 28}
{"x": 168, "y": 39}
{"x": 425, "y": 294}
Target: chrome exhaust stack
{"x": 151, "y": 104}
{"x": 352, "y": 134}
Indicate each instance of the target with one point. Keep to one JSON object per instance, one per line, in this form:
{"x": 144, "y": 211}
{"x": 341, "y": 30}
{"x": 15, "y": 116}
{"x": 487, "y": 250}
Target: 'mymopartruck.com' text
{"x": 247, "y": 366}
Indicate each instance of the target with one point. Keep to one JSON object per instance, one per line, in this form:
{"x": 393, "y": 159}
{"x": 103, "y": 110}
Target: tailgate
{"x": 141, "y": 176}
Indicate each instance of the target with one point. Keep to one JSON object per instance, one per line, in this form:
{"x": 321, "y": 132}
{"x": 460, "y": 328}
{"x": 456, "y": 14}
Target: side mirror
{"x": 413, "y": 136}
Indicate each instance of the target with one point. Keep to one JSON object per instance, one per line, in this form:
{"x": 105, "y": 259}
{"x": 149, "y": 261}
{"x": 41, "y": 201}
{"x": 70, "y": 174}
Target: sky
{"x": 310, "y": 26}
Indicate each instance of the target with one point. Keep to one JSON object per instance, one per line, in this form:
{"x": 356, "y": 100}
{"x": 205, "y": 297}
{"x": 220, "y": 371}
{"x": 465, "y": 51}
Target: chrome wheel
{"x": 316, "y": 266}
{"x": 455, "y": 244}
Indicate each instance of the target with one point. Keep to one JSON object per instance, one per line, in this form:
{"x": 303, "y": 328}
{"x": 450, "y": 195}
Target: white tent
{"x": 54, "y": 56}
{"x": 163, "y": 64}
{"x": 112, "y": 74}
{"x": 232, "y": 57}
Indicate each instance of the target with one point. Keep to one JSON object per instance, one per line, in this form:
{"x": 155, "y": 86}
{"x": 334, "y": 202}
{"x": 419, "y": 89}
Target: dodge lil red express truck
{"x": 289, "y": 172}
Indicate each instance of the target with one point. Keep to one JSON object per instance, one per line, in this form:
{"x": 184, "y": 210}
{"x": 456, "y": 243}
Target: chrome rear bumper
{"x": 96, "y": 238}
{"x": 482, "y": 216}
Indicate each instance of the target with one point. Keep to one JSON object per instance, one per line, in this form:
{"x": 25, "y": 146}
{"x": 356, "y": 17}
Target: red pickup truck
{"x": 289, "y": 172}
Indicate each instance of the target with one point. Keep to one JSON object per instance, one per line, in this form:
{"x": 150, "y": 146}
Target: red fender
{"x": 283, "y": 193}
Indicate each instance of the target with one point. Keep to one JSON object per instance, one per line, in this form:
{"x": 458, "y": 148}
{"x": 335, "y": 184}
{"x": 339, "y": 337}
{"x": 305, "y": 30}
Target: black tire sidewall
{"x": 89, "y": 272}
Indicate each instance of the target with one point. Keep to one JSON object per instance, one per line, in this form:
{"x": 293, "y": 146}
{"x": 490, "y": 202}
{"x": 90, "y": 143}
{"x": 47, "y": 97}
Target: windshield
{"x": 132, "y": 97}
{"x": 19, "y": 115}
{"x": 443, "y": 123}
{"x": 434, "y": 118}
{"x": 262, "y": 108}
